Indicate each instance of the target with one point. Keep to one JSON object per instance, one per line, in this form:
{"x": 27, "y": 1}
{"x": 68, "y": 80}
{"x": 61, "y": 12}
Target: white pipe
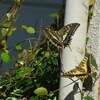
{"x": 76, "y": 11}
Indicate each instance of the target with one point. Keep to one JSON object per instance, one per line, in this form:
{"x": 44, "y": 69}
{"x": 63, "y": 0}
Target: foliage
{"x": 35, "y": 70}
{"x": 31, "y": 70}
{"x": 34, "y": 67}
{"x": 91, "y": 2}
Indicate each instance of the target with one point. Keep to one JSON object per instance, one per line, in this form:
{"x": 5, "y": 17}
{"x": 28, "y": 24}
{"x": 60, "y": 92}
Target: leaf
{"x": 23, "y": 54}
{"x": 18, "y": 2}
{"x": 54, "y": 61}
{"x": 53, "y": 15}
{"x": 12, "y": 98}
{"x": 20, "y": 55}
{"x": 91, "y": 2}
{"x": 34, "y": 98}
{"x": 18, "y": 47}
{"x": 5, "y": 57}
{"x": 90, "y": 14}
{"x": 94, "y": 75}
{"x": 55, "y": 55}
{"x": 87, "y": 40}
{"x": 4, "y": 82}
{"x": 23, "y": 71}
{"x": 9, "y": 16}
{"x": 9, "y": 32}
{"x": 88, "y": 98}
{"x": 17, "y": 91}
{"x": 19, "y": 63}
{"x": 30, "y": 56}
{"x": 30, "y": 30}
{"x": 41, "y": 91}
{"x": 47, "y": 54}
{"x": 24, "y": 27}
{"x": 55, "y": 98}
{"x": 42, "y": 65}
{"x": 3, "y": 31}
{"x": 82, "y": 80}
{"x": 6, "y": 24}
{"x": 94, "y": 62}
{"x": 27, "y": 88}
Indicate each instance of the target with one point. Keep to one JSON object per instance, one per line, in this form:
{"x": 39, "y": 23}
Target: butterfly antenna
{"x": 64, "y": 86}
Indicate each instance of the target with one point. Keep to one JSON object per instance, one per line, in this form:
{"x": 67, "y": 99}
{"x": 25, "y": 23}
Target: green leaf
{"x": 41, "y": 91}
{"x": 54, "y": 61}
{"x": 18, "y": 47}
{"x": 34, "y": 98}
{"x": 17, "y": 91}
{"x": 94, "y": 75}
{"x": 6, "y": 24}
{"x": 30, "y": 56}
{"x": 18, "y": 2}
{"x": 12, "y": 98}
{"x": 23, "y": 71}
{"x": 3, "y": 31}
{"x": 24, "y": 27}
{"x": 47, "y": 54}
{"x": 87, "y": 40}
{"x": 5, "y": 57}
{"x": 4, "y": 82}
{"x": 43, "y": 65}
{"x": 88, "y": 98}
{"x": 9, "y": 32}
{"x": 10, "y": 16}
{"x": 90, "y": 14}
{"x": 55, "y": 98}
{"x": 94, "y": 62}
{"x": 53, "y": 15}
{"x": 30, "y": 30}
{"x": 55, "y": 55}
{"x": 28, "y": 87}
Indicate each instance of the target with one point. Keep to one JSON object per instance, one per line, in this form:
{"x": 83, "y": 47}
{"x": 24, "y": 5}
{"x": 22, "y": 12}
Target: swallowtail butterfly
{"x": 62, "y": 37}
{"x": 84, "y": 69}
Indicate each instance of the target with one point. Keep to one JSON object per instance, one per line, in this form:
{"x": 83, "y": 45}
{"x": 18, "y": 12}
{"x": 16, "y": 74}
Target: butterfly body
{"x": 61, "y": 37}
{"x": 84, "y": 69}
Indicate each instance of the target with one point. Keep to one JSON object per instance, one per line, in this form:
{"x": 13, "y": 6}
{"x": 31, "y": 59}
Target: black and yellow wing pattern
{"x": 62, "y": 37}
{"x": 84, "y": 69}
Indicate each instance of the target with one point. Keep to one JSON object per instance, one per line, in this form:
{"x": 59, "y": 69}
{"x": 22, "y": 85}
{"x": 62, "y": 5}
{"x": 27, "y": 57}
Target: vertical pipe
{"x": 76, "y": 11}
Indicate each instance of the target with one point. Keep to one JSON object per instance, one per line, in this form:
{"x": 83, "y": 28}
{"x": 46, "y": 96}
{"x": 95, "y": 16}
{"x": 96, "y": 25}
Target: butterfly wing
{"x": 63, "y": 36}
{"x": 84, "y": 69}
{"x": 80, "y": 71}
{"x": 52, "y": 36}
{"x": 67, "y": 32}
{"x": 89, "y": 65}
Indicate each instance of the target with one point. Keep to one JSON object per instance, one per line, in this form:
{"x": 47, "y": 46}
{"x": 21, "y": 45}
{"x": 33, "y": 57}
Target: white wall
{"x": 94, "y": 44}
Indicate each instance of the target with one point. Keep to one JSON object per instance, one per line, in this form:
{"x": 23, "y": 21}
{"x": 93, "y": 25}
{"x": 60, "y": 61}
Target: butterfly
{"x": 84, "y": 69}
{"x": 62, "y": 37}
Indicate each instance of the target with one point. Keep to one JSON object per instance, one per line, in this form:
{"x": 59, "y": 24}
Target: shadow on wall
{"x": 70, "y": 96}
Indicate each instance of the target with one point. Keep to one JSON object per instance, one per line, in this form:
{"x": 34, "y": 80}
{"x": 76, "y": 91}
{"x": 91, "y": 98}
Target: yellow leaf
{"x": 41, "y": 91}
{"x": 91, "y": 2}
